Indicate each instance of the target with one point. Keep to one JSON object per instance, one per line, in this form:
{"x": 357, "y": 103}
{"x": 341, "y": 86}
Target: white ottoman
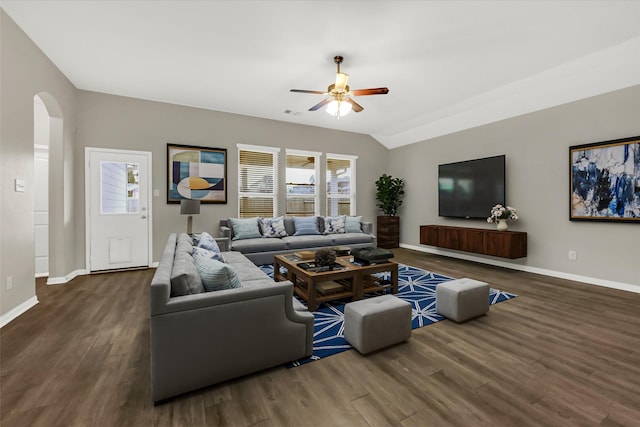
{"x": 378, "y": 322}
{"x": 462, "y": 299}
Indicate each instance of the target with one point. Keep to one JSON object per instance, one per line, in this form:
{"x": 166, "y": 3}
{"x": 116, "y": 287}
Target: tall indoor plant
{"x": 389, "y": 193}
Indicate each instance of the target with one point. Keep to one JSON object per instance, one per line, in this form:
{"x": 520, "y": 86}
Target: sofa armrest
{"x": 367, "y": 227}
{"x": 225, "y": 231}
{"x": 223, "y": 243}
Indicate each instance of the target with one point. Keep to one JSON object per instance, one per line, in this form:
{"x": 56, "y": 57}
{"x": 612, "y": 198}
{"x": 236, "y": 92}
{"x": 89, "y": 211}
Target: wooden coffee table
{"x": 354, "y": 280}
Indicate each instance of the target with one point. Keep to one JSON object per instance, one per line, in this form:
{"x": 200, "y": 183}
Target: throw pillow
{"x": 216, "y": 275}
{"x": 334, "y": 224}
{"x": 206, "y": 253}
{"x": 272, "y": 227}
{"x": 209, "y": 243}
{"x": 244, "y": 228}
{"x": 352, "y": 224}
{"x": 305, "y": 225}
{"x": 185, "y": 279}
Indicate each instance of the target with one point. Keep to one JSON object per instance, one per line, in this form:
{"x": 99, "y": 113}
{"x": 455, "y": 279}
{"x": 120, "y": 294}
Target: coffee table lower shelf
{"x": 356, "y": 280}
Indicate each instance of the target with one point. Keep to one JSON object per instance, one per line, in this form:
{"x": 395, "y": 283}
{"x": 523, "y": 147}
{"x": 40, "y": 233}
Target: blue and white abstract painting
{"x": 605, "y": 181}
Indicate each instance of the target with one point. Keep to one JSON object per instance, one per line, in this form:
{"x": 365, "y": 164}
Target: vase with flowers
{"x": 500, "y": 214}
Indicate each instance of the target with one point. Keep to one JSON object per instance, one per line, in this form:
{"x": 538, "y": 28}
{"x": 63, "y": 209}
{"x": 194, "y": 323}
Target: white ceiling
{"x": 449, "y": 65}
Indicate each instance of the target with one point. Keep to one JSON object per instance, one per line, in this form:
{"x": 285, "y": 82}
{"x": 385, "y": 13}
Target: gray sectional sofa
{"x": 203, "y": 338}
{"x": 261, "y": 250}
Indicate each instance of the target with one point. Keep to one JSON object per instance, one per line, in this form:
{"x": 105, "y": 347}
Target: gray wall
{"x": 537, "y": 151}
{"x": 109, "y": 121}
{"x": 26, "y": 72}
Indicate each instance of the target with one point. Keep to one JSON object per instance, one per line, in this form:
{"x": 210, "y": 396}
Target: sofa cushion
{"x": 248, "y": 272}
{"x": 353, "y": 224}
{"x": 305, "y": 225}
{"x": 208, "y": 243}
{"x": 302, "y": 242}
{"x": 272, "y": 227}
{"x": 351, "y": 238}
{"x": 216, "y": 275}
{"x": 258, "y": 245}
{"x": 185, "y": 279}
{"x": 245, "y": 228}
{"x": 334, "y": 224}
{"x": 233, "y": 258}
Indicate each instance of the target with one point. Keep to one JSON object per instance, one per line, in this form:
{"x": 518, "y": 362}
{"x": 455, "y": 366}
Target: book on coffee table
{"x": 305, "y": 254}
{"x": 328, "y": 286}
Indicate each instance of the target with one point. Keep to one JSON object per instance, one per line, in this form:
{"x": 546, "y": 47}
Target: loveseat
{"x": 260, "y": 246}
{"x": 202, "y": 338}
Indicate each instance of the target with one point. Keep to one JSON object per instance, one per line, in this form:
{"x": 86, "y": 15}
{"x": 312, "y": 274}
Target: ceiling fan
{"x": 339, "y": 102}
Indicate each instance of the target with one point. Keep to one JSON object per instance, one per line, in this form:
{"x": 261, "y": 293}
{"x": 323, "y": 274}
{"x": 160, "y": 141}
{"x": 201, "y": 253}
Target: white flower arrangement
{"x": 501, "y": 212}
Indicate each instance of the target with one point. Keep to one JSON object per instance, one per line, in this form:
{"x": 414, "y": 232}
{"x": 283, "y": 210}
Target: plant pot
{"x": 388, "y": 232}
{"x": 502, "y": 225}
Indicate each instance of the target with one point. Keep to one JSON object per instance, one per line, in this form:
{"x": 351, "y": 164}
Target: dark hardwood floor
{"x": 561, "y": 354}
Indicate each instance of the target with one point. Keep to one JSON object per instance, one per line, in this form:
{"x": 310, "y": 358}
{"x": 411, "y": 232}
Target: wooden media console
{"x": 505, "y": 244}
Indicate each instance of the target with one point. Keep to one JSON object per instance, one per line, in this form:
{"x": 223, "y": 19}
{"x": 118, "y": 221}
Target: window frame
{"x": 274, "y": 151}
{"x": 316, "y": 195}
{"x": 352, "y": 182}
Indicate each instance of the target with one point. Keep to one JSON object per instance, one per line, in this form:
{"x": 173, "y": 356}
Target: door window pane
{"x": 119, "y": 190}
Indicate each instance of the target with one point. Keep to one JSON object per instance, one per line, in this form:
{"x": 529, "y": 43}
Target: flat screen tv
{"x": 471, "y": 188}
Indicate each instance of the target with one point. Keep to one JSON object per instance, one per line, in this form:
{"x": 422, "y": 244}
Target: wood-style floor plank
{"x": 561, "y": 353}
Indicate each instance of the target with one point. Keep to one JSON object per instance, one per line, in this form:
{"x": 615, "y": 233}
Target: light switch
{"x": 156, "y": 192}
{"x": 19, "y": 185}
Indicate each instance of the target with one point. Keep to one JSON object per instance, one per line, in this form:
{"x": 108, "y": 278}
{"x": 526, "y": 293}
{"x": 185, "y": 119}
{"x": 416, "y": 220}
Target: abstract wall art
{"x": 605, "y": 181}
{"x": 198, "y": 173}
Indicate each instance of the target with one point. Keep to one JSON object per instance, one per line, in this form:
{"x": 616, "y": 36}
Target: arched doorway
{"x": 49, "y": 182}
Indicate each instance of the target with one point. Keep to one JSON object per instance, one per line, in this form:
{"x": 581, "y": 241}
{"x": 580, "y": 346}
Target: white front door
{"x": 117, "y": 187}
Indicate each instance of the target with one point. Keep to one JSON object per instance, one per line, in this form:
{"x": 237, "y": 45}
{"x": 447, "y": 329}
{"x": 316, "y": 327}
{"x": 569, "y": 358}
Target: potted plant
{"x": 389, "y": 193}
{"x": 500, "y": 214}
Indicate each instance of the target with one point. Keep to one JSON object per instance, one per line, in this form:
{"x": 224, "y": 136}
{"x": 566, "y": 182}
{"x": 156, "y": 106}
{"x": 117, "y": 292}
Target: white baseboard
{"x": 17, "y": 311}
{"x": 67, "y": 278}
{"x": 543, "y": 271}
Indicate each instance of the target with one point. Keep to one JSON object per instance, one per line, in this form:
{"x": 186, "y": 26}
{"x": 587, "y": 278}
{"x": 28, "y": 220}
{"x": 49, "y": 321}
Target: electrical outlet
{"x": 573, "y": 255}
{"x": 9, "y": 282}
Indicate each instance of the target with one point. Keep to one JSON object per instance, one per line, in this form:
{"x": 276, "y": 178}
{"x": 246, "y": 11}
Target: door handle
{"x": 144, "y": 217}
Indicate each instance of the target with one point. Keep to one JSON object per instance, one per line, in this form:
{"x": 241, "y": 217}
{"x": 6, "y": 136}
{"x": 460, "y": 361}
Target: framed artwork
{"x": 605, "y": 181}
{"x": 196, "y": 173}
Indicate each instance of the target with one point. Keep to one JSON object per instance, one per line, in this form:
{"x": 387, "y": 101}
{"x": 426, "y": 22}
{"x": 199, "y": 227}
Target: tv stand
{"x": 505, "y": 244}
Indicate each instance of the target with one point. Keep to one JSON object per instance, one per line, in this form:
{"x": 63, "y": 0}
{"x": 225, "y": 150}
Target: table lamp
{"x": 189, "y": 207}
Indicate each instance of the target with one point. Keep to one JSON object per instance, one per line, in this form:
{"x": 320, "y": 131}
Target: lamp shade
{"x": 189, "y": 207}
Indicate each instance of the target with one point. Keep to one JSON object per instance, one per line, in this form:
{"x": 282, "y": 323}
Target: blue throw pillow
{"x": 245, "y": 228}
{"x": 216, "y": 275}
{"x": 206, "y": 241}
{"x": 305, "y": 225}
{"x": 353, "y": 225}
{"x": 273, "y": 227}
{"x": 334, "y": 224}
{"x": 206, "y": 253}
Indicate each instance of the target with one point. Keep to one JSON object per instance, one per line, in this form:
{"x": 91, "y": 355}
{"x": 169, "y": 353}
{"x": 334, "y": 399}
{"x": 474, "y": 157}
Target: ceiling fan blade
{"x": 341, "y": 81}
{"x": 376, "y": 91}
{"x": 320, "y": 104}
{"x": 356, "y": 107}
{"x": 320, "y": 92}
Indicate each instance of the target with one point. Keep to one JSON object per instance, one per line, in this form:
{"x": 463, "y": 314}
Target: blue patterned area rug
{"x": 415, "y": 285}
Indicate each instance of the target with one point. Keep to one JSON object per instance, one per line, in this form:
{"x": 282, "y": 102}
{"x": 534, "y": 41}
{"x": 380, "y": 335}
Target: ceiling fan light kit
{"x": 339, "y": 102}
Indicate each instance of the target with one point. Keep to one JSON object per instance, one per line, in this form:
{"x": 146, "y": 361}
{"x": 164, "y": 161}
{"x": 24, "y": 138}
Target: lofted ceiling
{"x": 449, "y": 65}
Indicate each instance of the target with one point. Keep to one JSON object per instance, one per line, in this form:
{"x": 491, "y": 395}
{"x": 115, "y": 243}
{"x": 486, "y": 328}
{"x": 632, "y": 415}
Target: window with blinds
{"x": 301, "y": 188}
{"x": 341, "y": 189}
{"x": 257, "y": 178}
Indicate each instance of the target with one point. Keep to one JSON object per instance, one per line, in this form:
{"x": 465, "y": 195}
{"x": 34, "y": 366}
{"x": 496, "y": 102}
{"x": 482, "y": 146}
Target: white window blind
{"x": 301, "y": 183}
{"x": 257, "y": 178}
{"x": 341, "y": 185}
